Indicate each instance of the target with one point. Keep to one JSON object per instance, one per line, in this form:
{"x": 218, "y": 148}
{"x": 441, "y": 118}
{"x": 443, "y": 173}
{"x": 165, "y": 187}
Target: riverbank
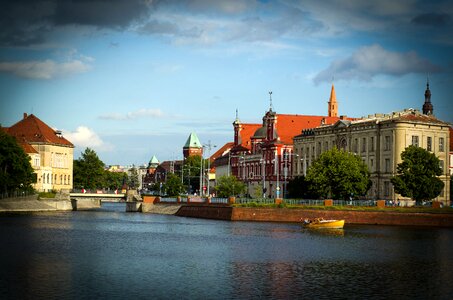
{"x": 224, "y": 212}
{"x": 32, "y": 204}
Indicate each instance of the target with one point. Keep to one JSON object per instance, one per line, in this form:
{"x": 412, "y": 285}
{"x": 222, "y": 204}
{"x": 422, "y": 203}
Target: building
{"x": 379, "y": 140}
{"x": 51, "y": 154}
{"x": 262, "y": 154}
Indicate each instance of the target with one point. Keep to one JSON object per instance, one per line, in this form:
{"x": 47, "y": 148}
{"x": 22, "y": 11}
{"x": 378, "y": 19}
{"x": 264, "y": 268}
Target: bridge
{"x": 93, "y": 200}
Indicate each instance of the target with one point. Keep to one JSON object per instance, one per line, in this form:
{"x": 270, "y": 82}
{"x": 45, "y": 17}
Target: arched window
{"x": 48, "y": 178}
{"x": 65, "y": 179}
{"x": 61, "y": 179}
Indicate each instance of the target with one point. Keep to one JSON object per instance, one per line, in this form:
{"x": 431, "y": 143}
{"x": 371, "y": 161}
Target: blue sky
{"x": 132, "y": 79}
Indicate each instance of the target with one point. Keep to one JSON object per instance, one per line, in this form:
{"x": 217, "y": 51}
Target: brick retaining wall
{"x": 295, "y": 215}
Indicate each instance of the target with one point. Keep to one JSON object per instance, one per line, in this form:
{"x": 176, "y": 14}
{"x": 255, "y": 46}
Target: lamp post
{"x": 285, "y": 157}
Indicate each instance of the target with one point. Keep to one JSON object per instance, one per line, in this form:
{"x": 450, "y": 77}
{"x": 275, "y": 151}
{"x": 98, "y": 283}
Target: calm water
{"x": 111, "y": 254}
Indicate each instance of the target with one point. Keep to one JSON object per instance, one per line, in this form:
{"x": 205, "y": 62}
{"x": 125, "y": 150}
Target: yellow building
{"x": 51, "y": 154}
{"x": 379, "y": 140}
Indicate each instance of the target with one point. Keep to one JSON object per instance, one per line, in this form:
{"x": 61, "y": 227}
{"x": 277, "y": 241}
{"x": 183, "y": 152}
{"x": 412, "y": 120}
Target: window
{"x": 415, "y": 140}
{"x": 441, "y": 165}
{"x": 429, "y": 143}
{"x": 326, "y": 145}
{"x": 387, "y": 142}
{"x": 356, "y": 142}
{"x": 319, "y": 148}
{"x": 363, "y": 144}
{"x": 387, "y": 165}
{"x": 441, "y": 144}
{"x": 372, "y": 144}
{"x": 371, "y": 165}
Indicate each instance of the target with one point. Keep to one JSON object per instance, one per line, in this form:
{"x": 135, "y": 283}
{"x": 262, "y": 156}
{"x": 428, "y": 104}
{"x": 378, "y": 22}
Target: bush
{"x": 47, "y": 195}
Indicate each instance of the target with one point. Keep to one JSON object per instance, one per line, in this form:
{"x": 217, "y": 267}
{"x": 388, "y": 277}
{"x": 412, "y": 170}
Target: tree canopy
{"x": 16, "y": 171}
{"x": 417, "y": 175}
{"x": 339, "y": 174}
{"x": 173, "y": 186}
{"x": 229, "y": 186}
{"x": 89, "y": 171}
{"x": 299, "y": 187}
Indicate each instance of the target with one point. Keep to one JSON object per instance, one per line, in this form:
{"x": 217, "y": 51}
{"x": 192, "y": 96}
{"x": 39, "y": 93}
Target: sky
{"x": 132, "y": 79}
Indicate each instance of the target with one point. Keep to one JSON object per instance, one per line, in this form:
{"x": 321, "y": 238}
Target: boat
{"x": 321, "y": 223}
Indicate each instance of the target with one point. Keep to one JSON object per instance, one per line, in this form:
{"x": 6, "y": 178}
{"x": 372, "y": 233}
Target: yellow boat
{"x": 321, "y": 223}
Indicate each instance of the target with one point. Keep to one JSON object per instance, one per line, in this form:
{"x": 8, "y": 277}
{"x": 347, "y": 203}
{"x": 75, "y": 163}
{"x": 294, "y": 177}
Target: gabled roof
{"x": 32, "y": 130}
{"x": 222, "y": 151}
{"x": 288, "y": 126}
{"x": 193, "y": 141}
{"x": 247, "y": 131}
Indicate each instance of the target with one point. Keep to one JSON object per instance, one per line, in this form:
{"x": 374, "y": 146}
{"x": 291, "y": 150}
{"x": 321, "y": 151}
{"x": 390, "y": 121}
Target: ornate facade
{"x": 379, "y": 140}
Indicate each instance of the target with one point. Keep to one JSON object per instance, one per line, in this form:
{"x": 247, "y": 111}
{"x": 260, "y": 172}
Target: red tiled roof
{"x": 28, "y": 148}
{"x": 421, "y": 118}
{"x": 247, "y": 131}
{"x": 288, "y": 126}
{"x": 221, "y": 151}
{"x": 32, "y": 130}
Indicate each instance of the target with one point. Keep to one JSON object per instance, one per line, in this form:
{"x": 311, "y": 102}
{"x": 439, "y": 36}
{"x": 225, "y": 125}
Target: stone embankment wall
{"x": 296, "y": 215}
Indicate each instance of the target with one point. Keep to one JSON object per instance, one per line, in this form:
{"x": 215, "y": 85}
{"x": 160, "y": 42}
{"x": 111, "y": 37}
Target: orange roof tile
{"x": 221, "y": 151}
{"x": 247, "y": 131}
{"x": 32, "y": 130}
{"x": 289, "y": 126}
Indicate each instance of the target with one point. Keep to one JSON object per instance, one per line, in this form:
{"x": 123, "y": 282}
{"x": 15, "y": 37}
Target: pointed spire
{"x": 332, "y": 110}
{"x": 428, "y": 106}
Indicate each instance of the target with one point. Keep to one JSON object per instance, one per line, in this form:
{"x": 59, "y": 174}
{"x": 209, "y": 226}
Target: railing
{"x": 255, "y": 200}
{"x": 217, "y": 200}
{"x": 169, "y": 200}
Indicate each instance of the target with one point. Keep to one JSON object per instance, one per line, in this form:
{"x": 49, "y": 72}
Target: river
{"x": 110, "y": 254}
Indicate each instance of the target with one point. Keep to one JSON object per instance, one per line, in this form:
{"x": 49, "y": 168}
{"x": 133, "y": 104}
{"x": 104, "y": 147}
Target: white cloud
{"x": 85, "y": 137}
{"x": 370, "y": 61}
{"x": 141, "y": 113}
{"x": 44, "y": 69}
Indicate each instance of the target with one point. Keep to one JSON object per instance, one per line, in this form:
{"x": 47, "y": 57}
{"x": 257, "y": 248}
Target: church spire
{"x": 428, "y": 106}
{"x": 332, "y": 104}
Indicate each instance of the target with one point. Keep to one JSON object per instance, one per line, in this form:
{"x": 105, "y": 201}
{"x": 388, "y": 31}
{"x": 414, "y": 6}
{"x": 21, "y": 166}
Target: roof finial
{"x": 427, "y": 81}
{"x": 270, "y": 99}
{"x": 237, "y": 115}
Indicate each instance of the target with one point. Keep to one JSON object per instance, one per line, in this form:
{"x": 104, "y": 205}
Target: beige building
{"x": 379, "y": 140}
{"x": 51, "y": 154}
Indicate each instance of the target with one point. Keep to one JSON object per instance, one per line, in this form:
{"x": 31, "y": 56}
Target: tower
{"x": 428, "y": 106}
{"x": 237, "y": 128}
{"x": 332, "y": 104}
{"x": 192, "y": 146}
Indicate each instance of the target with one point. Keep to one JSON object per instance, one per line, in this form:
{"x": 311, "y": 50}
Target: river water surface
{"x": 110, "y": 254}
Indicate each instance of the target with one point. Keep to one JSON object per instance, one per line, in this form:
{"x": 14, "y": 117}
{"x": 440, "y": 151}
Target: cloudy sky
{"x": 132, "y": 79}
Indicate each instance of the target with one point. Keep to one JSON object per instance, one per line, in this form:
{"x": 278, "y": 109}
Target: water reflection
{"x": 111, "y": 254}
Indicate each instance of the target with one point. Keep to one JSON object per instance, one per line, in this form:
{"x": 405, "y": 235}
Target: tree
{"x": 339, "y": 174}
{"x": 299, "y": 187}
{"x": 133, "y": 181}
{"x": 191, "y": 171}
{"x": 416, "y": 176}
{"x": 229, "y": 186}
{"x": 16, "y": 171}
{"x": 173, "y": 186}
{"x": 89, "y": 171}
{"x": 115, "y": 180}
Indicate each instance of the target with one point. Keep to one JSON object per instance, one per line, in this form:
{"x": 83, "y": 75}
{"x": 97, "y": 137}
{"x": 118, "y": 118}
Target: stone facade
{"x": 379, "y": 140}
{"x": 51, "y": 154}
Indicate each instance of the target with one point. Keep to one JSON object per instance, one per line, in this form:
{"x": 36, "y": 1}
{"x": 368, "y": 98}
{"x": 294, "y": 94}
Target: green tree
{"x": 339, "y": 174}
{"x": 229, "y": 186}
{"x": 115, "y": 180}
{"x": 416, "y": 176}
{"x": 89, "y": 171}
{"x": 191, "y": 171}
{"x": 299, "y": 187}
{"x": 16, "y": 171}
{"x": 173, "y": 186}
{"x": 133, "y": 181}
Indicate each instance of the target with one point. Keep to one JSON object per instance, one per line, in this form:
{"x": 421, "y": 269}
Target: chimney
{"x": 25, "y": 115}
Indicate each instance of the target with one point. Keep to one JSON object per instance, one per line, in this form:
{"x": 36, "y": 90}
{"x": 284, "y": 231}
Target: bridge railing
{"x": 217, "y": 200}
